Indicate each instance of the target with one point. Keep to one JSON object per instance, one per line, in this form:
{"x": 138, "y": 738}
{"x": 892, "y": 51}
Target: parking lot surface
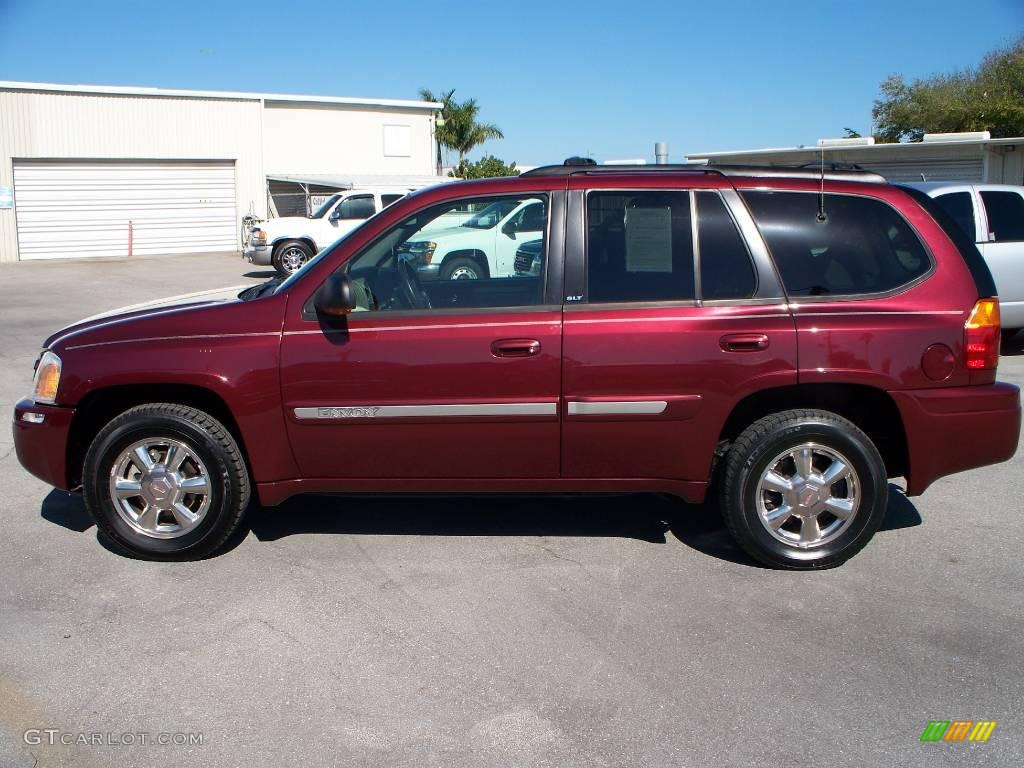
{"x": 610, "y": 631}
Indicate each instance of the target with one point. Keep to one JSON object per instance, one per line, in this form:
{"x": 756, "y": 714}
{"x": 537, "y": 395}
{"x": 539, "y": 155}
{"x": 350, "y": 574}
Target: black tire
{"x": 209, "y": 440}
{"x": 287, "y": 255}
{"x": 761, "y": 444}
{"x": 1009, "y": 334}
{"x": 462, "y": 268}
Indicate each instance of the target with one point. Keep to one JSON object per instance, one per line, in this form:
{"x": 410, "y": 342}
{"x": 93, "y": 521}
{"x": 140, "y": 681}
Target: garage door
{"x": 87, "y": 208}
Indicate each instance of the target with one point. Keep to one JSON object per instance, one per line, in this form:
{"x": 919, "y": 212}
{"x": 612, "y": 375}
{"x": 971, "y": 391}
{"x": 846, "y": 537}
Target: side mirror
{"x": 336, "y": 297}
{"x": 510, "y": 227}
{"x": 335, "y": 214}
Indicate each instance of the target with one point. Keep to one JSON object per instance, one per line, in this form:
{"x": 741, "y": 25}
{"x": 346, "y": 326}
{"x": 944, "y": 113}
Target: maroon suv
{"x": 795, "y": 340}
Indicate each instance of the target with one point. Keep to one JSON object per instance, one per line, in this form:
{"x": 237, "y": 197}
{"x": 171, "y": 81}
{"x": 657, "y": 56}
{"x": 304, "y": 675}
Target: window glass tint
{"x": 387, "y": 200}
{"x": 863, "y": 246}
{"x": 639, "y": 247}
{"x": 1005, "y": 211}
{"x": 726, "y": 271}
{"x": 437, "y": 259}
{"x": 360, "y": 207}
{"x": 960, "y": 207}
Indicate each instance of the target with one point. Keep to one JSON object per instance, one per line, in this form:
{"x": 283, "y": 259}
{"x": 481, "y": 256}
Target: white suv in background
{"x": 992, "y": 215}
{"x": 289, "y": 242}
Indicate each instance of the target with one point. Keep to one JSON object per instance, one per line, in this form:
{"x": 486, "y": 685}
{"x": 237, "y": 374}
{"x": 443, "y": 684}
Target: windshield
{"x": 322, "y": 210}
{"x": 491, "y": 215}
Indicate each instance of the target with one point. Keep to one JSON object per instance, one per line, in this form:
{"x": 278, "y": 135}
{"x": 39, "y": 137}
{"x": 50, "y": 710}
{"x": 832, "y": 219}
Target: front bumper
{"x": 42, "y": 446}
{"x": 956, "y": 428}
{"x": 259, "y": 254}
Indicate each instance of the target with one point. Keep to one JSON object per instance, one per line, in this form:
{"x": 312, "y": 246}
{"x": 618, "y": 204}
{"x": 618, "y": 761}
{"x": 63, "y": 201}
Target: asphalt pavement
{"x": 613, "y": 631}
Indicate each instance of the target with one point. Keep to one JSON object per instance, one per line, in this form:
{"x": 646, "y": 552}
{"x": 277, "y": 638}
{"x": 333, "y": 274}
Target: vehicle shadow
{"x": 644, "y": 517}
{"x": 262, "y": 274}
{"x": 1014, "y": 345}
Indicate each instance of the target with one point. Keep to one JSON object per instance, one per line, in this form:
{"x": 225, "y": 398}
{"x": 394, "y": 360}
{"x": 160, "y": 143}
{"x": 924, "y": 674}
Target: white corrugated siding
{"x": 970, "y": 169}
{"x": 84, "y": 208}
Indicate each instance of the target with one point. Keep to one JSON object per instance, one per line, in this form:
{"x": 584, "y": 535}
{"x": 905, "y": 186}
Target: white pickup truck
{"x": 483, "y": 245}
{"x": 289, "y": 242}
{"x": 992, "y": 215}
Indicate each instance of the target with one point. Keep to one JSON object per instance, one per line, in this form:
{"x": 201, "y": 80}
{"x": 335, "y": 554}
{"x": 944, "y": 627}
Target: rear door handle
{"x": 744, "y": 342}
{"x": 515, "y": 347}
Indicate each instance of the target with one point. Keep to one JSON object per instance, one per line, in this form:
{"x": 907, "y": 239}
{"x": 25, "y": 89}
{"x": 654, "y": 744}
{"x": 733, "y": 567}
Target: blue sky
{"x": 560, "y": 78}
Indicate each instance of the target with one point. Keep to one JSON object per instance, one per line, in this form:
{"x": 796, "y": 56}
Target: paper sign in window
{"x": 648, "y": 240}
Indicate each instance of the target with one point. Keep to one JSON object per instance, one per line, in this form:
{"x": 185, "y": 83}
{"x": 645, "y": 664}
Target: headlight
{"x": 44, "y": 389}
{"x": 420, "y": 251}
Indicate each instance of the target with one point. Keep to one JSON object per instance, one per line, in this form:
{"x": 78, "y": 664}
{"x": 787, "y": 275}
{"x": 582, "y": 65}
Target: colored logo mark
{"x": 958, "y": 730}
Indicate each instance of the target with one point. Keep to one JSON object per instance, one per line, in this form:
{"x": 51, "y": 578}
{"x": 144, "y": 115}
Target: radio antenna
{"x": 821, "y": 190}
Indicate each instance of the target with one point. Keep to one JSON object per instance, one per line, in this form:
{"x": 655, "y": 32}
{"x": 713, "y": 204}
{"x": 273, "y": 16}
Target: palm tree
{"x": 461, "y": 132}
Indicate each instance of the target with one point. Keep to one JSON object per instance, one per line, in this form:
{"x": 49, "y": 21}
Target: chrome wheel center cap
{"x": 809, "y": 495}
{"x": 160, "y": 486}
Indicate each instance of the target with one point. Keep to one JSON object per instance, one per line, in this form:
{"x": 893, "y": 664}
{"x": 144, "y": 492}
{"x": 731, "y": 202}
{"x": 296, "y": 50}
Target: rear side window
{"x": 639, "y": 247}
{"x": 1005, "y": 211}
{"x": 864, "y": 246}
{"x": 960, "y": 208}
{"x": 387, "y": 200}
{"x": 726, "y": 271}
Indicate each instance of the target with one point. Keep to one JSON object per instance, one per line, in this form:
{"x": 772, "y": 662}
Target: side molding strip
{"x": 618, "y": 408}
{"x": 406, "y": 411}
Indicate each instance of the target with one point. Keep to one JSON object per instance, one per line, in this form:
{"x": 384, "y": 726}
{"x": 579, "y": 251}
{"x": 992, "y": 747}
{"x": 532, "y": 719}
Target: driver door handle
{"x": 515, "y": 347}
{"x": 744, "y": 342}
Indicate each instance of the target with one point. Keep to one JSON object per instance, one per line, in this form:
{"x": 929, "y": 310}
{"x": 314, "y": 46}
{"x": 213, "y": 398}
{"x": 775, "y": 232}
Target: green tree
{"x": 988, "y": 98}
{"x": 487, "y": 167}
{"x": 461, "y": 132}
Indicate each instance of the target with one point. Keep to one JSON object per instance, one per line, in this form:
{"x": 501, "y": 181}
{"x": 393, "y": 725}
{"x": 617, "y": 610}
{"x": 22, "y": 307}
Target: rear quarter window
{"x": 864, "y": 246}
{"x": 1005, "y": 211}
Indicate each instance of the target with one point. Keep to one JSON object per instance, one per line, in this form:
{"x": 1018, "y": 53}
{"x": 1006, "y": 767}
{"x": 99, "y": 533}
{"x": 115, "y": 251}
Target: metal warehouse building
{"x": 963, "y": 157}
{"x": 112, "y": 171}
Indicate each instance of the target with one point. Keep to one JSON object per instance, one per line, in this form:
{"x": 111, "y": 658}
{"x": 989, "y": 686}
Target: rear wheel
{"x": 803, "y": 489}
{"x": 290, "y": 256}
{"x": 166, "y": 481}
{"x": 1009, "y": 333}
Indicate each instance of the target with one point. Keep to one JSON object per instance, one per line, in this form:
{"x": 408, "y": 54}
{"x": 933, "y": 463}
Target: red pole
{"x": 129, "y": 237}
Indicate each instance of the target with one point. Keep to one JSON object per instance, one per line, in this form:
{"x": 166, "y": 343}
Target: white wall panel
{"x": 316, "y": 138}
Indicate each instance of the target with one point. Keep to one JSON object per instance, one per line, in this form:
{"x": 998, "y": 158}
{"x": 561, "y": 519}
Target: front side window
{"x": 863, "y": 246}
{"x": 1005, "y": 211}
{"x": 358, "y": 207}
{"x": 960, "y": 207}
{"x": 386, "y": 200}
{"x": 428, "y": 261}
{"x": 639, "y": 247}
{"x": 324, "y": 207}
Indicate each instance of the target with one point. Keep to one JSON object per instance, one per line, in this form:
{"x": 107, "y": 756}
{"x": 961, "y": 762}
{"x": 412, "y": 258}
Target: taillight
{"x": 981, "y": 336}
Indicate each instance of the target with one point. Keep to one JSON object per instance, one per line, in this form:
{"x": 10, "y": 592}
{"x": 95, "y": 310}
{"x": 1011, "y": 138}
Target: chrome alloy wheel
{"x": 292, "y": 259}
{"x": 160, "y": 487}
{"x": 808, "y": 496}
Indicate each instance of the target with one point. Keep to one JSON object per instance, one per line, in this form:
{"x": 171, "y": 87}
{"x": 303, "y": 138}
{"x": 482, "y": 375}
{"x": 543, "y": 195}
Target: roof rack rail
{"x": 833, "y": 171}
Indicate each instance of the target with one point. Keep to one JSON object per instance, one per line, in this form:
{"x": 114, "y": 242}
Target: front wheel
{"x": 289, "y": 257}
{"x": 461, "y": 268}
{"x": 803, "y": 489}
{"x": 166, "y": 482}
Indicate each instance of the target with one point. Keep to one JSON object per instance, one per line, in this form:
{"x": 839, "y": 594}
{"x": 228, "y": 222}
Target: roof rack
{"x": 833, "y": 171}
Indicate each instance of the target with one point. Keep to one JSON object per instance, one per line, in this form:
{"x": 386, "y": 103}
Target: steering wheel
{"x": 409, "y": 285}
